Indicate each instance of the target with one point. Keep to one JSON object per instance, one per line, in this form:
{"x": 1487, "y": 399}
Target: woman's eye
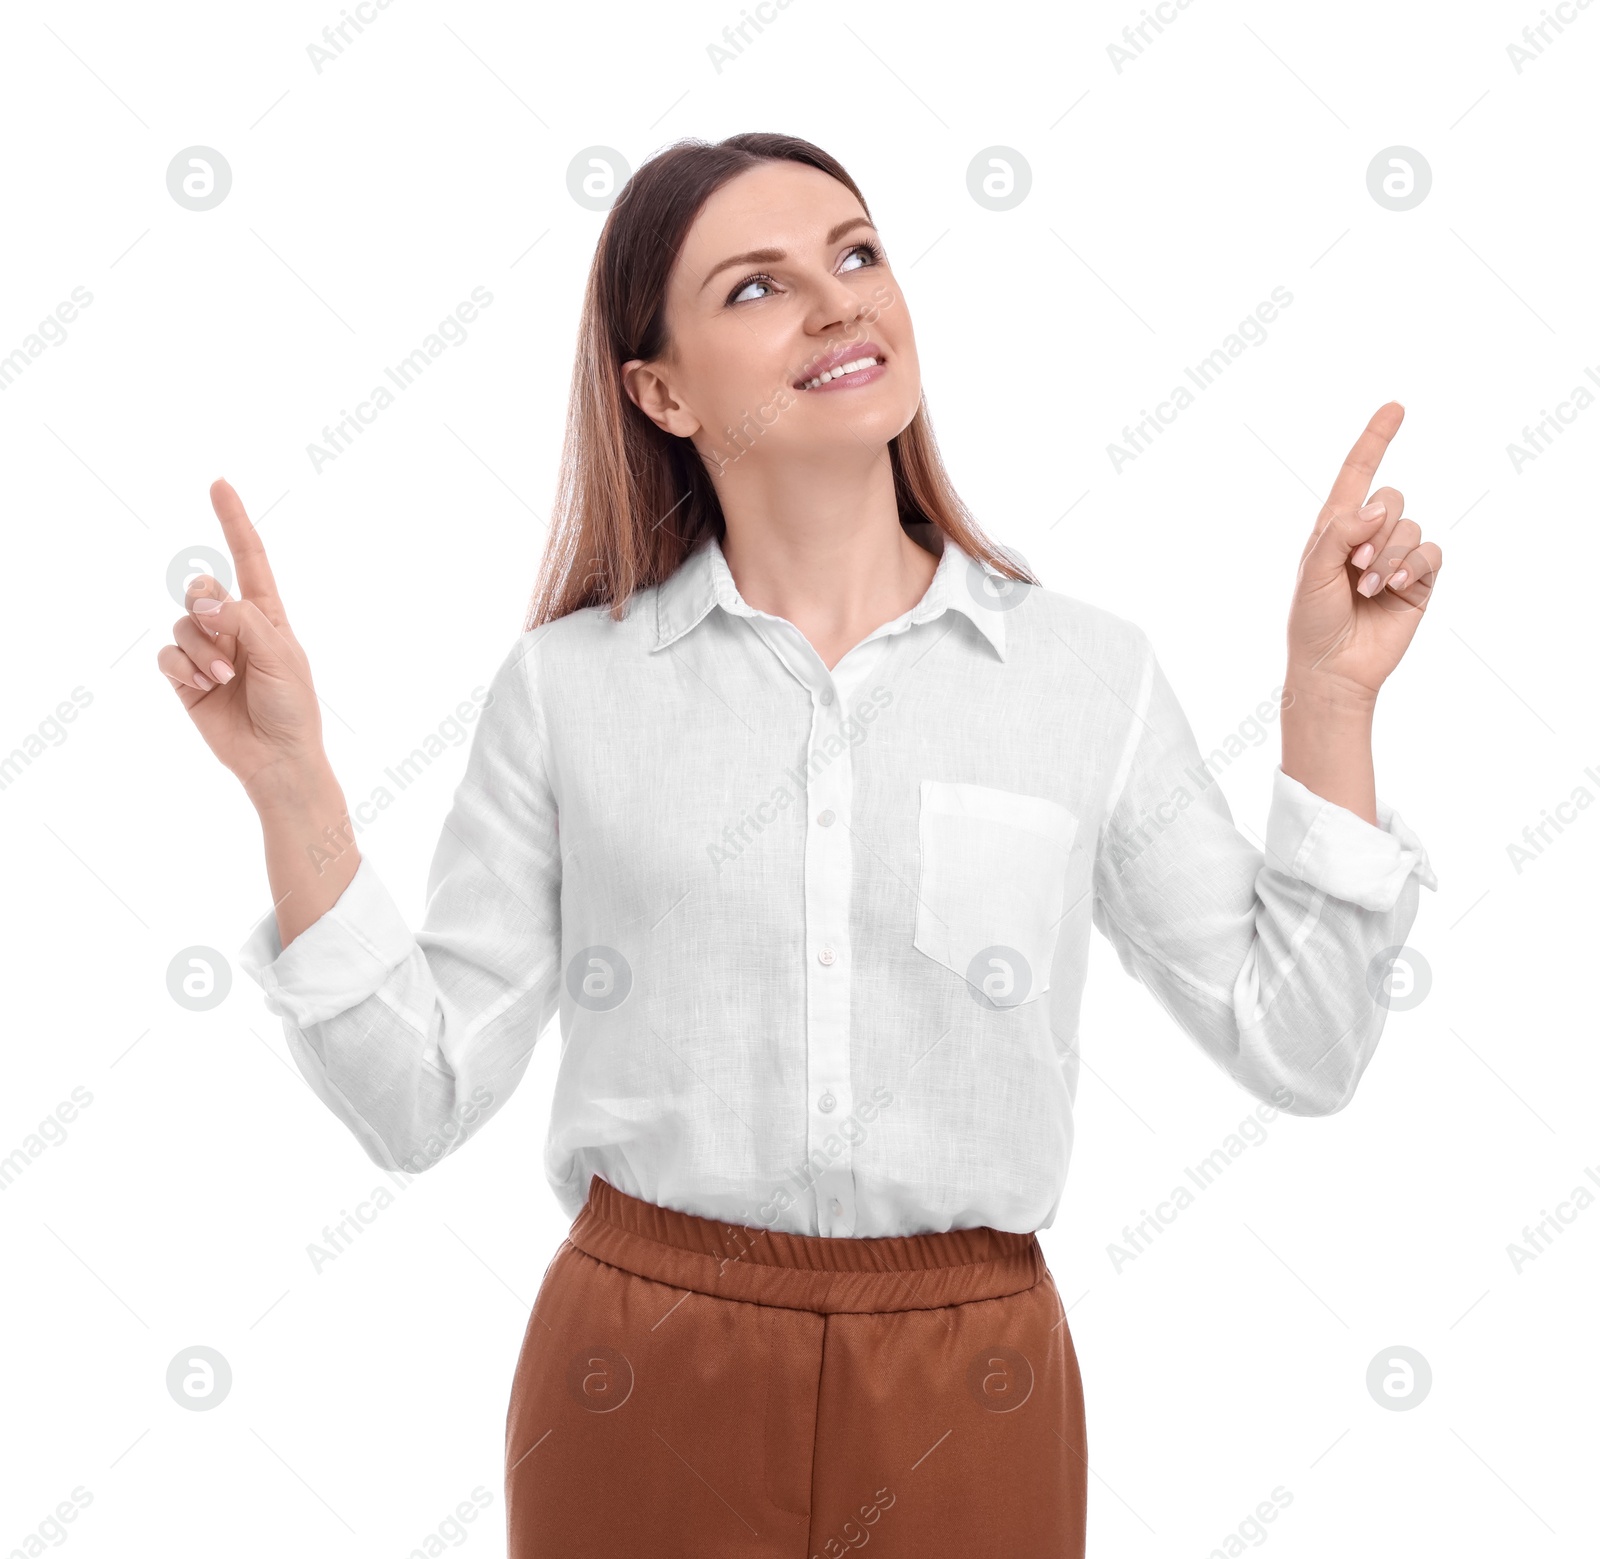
{"x": 755, "y": 281}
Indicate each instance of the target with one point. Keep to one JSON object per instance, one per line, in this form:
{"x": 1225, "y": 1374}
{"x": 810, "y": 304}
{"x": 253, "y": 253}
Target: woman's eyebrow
{"x": 772, "y": 256}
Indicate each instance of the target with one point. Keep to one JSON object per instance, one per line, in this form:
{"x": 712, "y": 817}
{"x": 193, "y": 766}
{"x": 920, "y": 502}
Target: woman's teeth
{"x": 842, "y": 370}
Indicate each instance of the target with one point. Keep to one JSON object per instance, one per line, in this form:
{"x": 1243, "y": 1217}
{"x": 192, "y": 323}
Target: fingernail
{"x": 1363, "y": 554}
{"x": 1369, "y": 583}
{"x": 205, "y": 605}
{"x": 1374, "y": 510}
{"x": 1401, "y": 575}
{"x": 203, "y": 682}
{"x": 223, "y": 672}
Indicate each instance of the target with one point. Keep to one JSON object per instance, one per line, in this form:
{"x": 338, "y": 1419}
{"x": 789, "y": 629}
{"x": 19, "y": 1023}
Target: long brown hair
{"x": 631, "y": 499}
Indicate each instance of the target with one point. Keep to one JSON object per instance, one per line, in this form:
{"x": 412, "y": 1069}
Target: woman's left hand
{"x": 1366, "y": 577}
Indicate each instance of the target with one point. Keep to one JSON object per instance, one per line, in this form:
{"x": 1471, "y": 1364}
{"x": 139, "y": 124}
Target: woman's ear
{"x": 649, "y": 392}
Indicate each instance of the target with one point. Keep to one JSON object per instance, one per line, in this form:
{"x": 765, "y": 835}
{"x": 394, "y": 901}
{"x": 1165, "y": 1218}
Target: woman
{"x": 798, "y": 797}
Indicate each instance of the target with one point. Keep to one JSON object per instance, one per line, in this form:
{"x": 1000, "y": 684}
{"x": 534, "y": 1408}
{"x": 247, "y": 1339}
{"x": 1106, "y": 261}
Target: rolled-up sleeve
{"x": 1329, "y": 847}
{"x": 414, "y": 1041}
{"x": 1274, "y": 960}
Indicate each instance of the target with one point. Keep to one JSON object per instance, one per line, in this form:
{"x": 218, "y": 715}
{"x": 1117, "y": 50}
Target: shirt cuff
{"x": 338, "y": 960}
{"x": 1340, "y": 854}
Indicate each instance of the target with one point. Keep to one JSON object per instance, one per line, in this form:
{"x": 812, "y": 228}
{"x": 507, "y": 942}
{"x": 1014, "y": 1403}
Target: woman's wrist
{"x": 295, "y": 788}
{"x": 309, "y": 842}
{"x": 1326, "y": 696}
{"x": 1326, "y": 728}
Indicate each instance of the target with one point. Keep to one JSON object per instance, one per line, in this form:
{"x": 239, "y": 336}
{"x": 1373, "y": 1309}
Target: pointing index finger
{"x": 1354, "y": 481}
{"x": 249, "y": 556}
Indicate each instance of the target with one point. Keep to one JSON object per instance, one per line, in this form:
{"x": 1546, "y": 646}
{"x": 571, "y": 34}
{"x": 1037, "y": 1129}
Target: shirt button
{"x": 825, "y": 818}
{"x": 834, "y": 1204}
{"x": 827, "y": 695}
{"x": 826, "y": 1103}
{"x": 825, "y": 955}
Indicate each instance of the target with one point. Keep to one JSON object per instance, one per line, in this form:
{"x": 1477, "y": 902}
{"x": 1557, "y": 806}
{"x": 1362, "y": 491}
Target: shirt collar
{"x": 703, "y": 580}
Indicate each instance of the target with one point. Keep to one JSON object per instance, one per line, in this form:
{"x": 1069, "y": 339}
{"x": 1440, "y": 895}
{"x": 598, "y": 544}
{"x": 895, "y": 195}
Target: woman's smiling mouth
{"x": 846, "y": 367}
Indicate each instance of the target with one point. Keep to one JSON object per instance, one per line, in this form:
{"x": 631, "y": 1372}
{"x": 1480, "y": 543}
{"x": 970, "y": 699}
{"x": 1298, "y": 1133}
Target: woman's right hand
{"x": 241, "y": 673}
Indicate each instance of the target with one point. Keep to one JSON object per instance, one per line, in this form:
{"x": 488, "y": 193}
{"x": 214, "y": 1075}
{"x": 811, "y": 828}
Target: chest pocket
{"x": 991, "y": 886}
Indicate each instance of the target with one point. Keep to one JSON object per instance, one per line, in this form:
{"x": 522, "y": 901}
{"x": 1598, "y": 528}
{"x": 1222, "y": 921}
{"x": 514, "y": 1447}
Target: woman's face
{"x": 780, "y": 277}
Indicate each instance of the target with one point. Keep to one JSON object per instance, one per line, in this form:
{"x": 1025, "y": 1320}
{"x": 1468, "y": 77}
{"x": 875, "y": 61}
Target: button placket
{"x": 828, "y": 869}
{"x": 828, "y": 879}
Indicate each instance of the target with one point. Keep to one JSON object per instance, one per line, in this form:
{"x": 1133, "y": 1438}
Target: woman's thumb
{"x": 247, "y": 625}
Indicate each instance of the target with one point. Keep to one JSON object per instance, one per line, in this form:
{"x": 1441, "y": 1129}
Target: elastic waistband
{"x": 803, "y": 1271}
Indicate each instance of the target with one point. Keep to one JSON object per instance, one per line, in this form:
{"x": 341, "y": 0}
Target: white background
{"x": 1168, "y": 199}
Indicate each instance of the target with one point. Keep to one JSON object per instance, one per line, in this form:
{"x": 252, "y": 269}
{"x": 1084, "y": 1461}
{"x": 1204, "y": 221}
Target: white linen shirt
{"x": 818, "y": 938}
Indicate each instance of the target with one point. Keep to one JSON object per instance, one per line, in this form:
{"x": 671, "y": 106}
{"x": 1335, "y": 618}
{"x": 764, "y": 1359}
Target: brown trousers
{"x": 687, "y": 1387}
